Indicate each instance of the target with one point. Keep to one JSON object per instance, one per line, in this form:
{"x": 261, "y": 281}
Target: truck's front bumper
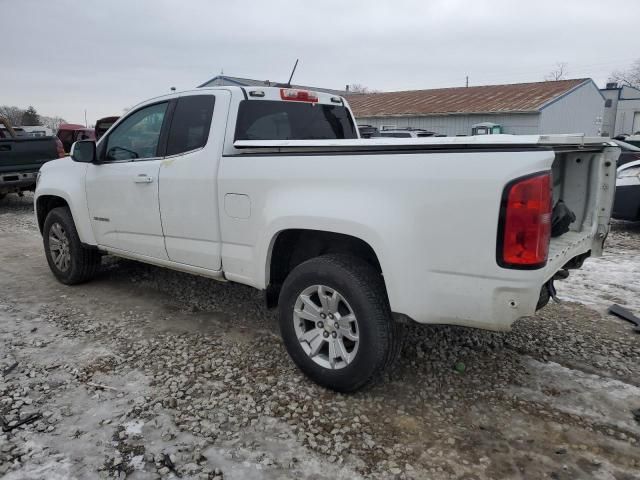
{"x": 17, "y": 181}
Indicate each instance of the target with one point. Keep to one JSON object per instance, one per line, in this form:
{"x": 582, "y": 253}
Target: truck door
{"x": 188, "y": 179}
{"x": 122, "y": 189}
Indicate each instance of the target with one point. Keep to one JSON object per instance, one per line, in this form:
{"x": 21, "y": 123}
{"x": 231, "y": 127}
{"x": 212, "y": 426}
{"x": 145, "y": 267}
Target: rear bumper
{"x": 490, "y": 302}
{"x": 17, "y": 181}
{"x": 627, "y": 203}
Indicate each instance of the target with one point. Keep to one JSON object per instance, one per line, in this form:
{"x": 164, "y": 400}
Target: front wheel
{"x": 336, "y": 322}
{"x": 68, "y": 259}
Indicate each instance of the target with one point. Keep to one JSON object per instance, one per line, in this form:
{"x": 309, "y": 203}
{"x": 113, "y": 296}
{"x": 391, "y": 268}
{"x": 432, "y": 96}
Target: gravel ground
{"x": 147, "y": 373}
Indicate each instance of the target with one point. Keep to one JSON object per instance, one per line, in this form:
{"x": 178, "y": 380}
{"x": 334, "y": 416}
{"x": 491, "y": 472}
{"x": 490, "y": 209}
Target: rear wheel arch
{"x": 289, "y": 248}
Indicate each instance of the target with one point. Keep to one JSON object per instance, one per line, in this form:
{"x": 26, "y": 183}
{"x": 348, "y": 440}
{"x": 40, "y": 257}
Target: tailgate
{"x": 26, "y": 154}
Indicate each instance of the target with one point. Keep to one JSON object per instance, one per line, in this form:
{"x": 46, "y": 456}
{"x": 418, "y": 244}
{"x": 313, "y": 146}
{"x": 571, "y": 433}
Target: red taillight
{"x": 298, "y": 95}
{"x": 525, "y": 222}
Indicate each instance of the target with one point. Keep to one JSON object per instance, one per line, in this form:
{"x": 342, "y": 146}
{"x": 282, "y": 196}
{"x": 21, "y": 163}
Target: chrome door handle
{"x": 143, "y": 178}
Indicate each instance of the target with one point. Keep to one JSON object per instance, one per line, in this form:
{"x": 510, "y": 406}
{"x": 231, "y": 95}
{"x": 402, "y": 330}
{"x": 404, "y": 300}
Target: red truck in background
{"x": 68, "y": 133}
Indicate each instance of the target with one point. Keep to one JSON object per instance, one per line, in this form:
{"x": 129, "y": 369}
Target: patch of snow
{"x": 54, "y": 468}
{"x": 603, "y": 400}
{"x": 137, "y": 462}
{"x": 612, "y": 278}
{"x": 134, "y": 427}
{"x": 252, "y": 464}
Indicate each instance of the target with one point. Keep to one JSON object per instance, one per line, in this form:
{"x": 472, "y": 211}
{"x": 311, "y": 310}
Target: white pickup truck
{"x": 349, "y": 237}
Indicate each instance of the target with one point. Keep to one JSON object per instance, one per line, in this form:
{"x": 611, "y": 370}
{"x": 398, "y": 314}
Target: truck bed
{"x": 20, "y": 160}
{"x": 26, "y": 153}
{"x": 456, "y": 169}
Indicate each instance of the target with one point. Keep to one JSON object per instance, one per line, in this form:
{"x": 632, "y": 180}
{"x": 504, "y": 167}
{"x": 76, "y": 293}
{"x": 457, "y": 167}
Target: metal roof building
{"x": 563, "y": 106}
{"x": 250, "y": 82}
{"x": 621, "y": 110}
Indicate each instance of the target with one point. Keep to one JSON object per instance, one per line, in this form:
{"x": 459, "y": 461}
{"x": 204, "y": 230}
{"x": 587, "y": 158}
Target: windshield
{"x": 274, "y": 120}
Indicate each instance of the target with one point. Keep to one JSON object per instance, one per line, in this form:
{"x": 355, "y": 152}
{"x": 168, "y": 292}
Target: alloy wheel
{"x": 59, "y": 247}
{"x": 326, "y": 327}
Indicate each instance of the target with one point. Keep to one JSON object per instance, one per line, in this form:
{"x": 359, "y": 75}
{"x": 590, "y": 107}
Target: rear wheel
{"x": 336, "y": 322}
{"x": 68, "y": 259}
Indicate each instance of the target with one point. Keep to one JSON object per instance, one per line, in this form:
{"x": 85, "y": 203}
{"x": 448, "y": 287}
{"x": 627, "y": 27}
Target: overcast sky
{"x": 66, "y": 56}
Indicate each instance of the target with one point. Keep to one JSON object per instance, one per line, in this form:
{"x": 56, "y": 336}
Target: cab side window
{"x": 190, "y": 123}
{"x": 137, "y": 137}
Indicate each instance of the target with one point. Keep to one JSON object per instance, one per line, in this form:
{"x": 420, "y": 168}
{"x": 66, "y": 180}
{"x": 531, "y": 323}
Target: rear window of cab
{"x": 282, "y": 120}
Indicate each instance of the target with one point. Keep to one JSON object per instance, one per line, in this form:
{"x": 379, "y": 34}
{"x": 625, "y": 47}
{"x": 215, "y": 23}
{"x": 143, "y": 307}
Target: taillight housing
{"x": 524, "y": 228}
{"x": 293, "y": 94}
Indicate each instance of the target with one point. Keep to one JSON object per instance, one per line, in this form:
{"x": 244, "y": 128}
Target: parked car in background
{"x": 17, "y": 132}
{"x": 68, "y": 133}
{"x": 627, "y": 200}
{"x": 629, "y": 152}
{"x": 348, "y": 237}
{"x": 368, "y": 131}
{"x": 21, "y": 156}
{"x": 486, "y": 128}
{"x": 406, "y": 133}
{"x": 36, "y": 130}
{"x": 104, "y": 124}
{"x": 633, "y": 139}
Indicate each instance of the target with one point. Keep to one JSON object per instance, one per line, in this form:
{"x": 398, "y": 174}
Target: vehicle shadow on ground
{"x": 444, "y": 353}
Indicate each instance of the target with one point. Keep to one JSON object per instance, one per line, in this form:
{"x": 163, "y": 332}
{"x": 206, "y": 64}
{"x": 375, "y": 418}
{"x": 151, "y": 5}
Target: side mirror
{"x": 84, "y": 151}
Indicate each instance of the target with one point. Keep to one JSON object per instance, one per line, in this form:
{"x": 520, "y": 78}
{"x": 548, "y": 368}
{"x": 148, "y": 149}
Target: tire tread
{"x": 368, "y": 281}
{"x": 85, "y": 261}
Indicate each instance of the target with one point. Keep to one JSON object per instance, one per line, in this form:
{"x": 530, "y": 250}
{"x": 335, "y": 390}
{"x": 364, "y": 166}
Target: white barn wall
{"x": 609, "y": 116}
{"x": 628, "y": 109}
{"x": 451, "y": 125}
{"x": 576, "y": 112}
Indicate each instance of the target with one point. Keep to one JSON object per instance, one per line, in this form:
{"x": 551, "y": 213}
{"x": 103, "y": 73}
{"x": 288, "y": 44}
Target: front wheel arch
{"x": 46, "y": 203}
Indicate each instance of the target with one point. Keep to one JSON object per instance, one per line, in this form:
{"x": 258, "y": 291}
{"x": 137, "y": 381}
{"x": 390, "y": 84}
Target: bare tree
{"x": 16, "y": 116}
{"x": 629, "y": 77}
{"x": 52, "y": 122}
{"x": 359, "y": 88}
{"x": 559, "y": 72}
{"x": 13, "y": 114}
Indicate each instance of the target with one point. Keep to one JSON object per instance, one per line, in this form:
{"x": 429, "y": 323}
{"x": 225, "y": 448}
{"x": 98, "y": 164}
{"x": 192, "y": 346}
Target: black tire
{"x": 362, "y": 287}
{"x": 83, "y": 262}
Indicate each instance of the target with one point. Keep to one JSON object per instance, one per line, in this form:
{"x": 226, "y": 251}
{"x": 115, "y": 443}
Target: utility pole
{"x": 85, "y": 118}
{"x": 467, "y": 82}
